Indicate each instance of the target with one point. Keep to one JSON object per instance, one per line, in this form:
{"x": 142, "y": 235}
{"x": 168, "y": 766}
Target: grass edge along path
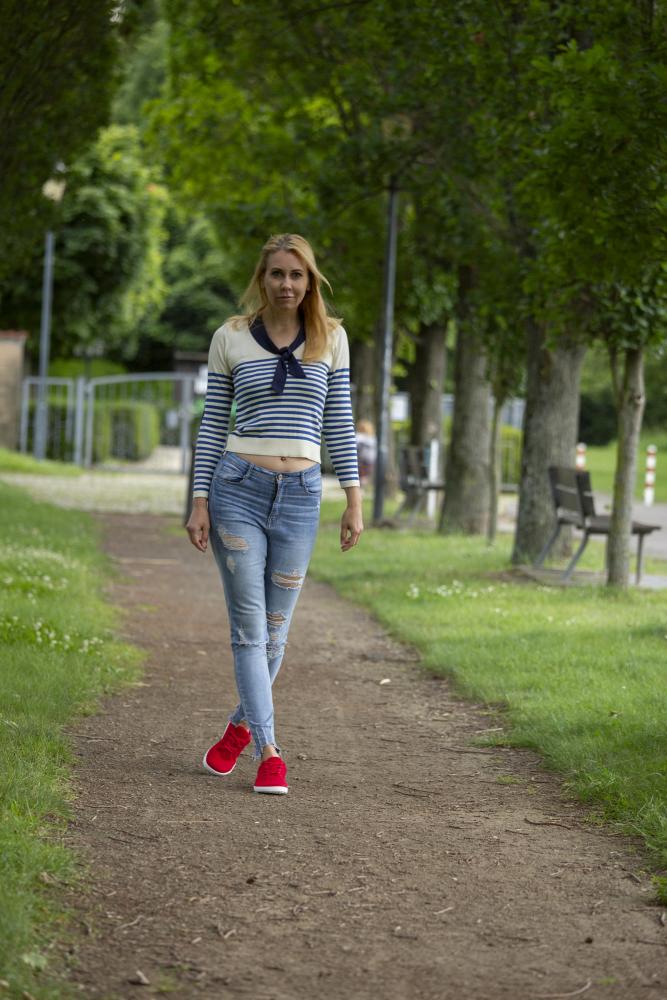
{"x": 575, "y": 673}
{"x": 15, "y": 461}
{"x": 58, "y": 656}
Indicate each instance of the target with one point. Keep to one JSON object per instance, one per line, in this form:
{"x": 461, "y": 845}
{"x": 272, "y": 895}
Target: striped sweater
{"x": 291, "y": 423}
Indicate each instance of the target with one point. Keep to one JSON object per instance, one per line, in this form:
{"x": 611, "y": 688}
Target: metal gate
{"x": 114, "y": 420}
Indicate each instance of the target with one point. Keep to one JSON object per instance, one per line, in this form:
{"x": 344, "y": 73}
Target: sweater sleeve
{"x": 338, "y": 423}
{"x": 214, "y": 427}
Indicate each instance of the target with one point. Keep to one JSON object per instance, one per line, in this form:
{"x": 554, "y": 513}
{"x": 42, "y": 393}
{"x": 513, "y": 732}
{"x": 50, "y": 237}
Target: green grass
{"x": 15, "y": 461}
{"x": 601, "y": 462}
{"x": 58, "y": 656}
{"x": 577, "y": 673}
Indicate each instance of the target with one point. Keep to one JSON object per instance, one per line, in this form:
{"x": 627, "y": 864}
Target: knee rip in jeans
{"x": 287, "y": 579}
{"x": 233, "y": 542}
{"x": 239, "y": 638}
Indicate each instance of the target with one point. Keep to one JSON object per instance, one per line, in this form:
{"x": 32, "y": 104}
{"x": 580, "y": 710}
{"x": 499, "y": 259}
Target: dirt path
{"x": 401, "y": 865}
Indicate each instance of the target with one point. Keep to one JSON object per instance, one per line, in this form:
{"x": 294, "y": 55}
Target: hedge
{"x": 122, "y": 429}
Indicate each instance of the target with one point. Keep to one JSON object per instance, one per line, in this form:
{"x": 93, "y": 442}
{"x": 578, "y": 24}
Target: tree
{"x": 197, "y": 297}
{"x": 57, "y": 67}
{"x": 608, "y": 205}
{"x": 108, "y": 269}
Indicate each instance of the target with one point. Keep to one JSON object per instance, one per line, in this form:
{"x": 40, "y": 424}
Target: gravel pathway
{"x": 406, "y": 862}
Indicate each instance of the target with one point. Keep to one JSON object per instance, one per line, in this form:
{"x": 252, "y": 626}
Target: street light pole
{"x": 384, "y": 416}
{"x": 44, "y": 348}
{"x": 53, "y": 189}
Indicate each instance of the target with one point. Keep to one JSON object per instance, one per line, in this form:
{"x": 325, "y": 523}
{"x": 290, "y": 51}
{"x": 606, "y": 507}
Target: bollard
{"x": 580, "y": 461}
{"x": 649, "y": 478}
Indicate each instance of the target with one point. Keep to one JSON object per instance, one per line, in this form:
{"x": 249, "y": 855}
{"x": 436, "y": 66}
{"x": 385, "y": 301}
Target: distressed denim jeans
{"x": 263, "y": 528}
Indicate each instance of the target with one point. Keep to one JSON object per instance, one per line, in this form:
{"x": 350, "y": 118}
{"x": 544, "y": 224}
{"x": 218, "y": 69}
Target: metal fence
{"x": 112, "y": 419}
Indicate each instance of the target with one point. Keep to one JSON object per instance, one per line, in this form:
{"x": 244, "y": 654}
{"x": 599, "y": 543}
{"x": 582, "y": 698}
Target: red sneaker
{"x": 221, "y": 758}
{"x": 271, "y": 776}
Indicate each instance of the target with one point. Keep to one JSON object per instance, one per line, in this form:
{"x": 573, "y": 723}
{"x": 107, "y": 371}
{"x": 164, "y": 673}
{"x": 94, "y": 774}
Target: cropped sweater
{"x": 290, "y": 420}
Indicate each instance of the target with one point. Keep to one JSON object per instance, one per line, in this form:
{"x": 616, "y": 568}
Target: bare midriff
{"x": 278, "y": 463}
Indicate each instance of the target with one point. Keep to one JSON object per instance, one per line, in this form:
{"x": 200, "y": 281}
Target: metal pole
{"x": 25, "y": 414}
{"x": 90, "y": 423}
{"x": 186, "y": 420}
{"x": 44, "y": 337}
{"x": 384, "y": 416}
{"x": 79, "y": 419}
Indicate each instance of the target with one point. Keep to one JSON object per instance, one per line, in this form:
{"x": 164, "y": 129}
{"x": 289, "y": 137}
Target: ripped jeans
{"x": 263, "y": 528}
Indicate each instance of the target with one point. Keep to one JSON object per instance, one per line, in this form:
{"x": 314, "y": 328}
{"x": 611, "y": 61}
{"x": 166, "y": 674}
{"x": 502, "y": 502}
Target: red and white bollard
{"x": 580, "y": 460}
{"x": 649, "y": 478}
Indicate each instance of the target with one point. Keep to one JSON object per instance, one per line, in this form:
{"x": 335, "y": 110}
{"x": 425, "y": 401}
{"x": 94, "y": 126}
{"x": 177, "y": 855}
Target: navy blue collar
{"x": 286, "y": 360}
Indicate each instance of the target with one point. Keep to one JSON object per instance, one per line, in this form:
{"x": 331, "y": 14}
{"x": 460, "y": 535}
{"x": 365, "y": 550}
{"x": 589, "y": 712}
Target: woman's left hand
{"x": 351, "y": 526}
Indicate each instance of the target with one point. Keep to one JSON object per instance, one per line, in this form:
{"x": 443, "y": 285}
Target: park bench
{"x": 574, "y": 504}
{"x": 413, "y": 479}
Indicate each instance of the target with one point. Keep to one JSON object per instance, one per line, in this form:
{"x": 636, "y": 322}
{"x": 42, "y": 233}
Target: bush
{"x": 74, "y": 367}
{"x": 511, "y": 440}
{"x": 126, "y": 429}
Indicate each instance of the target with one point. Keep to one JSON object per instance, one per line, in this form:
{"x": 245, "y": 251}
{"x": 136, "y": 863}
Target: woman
{"x": 257, "y": 490}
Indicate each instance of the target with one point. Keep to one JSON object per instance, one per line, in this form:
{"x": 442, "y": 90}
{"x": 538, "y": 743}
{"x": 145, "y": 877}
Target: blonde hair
{"x": 318, "y": 324}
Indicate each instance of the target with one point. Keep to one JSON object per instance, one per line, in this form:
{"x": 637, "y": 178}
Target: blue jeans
{"x": 263, "y": 528}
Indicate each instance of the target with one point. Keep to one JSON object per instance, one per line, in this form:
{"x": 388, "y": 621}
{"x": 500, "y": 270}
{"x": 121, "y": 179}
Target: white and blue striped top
{"x": 290, "y": 423}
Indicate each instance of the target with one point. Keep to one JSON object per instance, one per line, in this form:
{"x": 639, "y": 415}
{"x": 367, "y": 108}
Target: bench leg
{"x": 640, "y": 547}
{"x": 567, "y": 572}
{"x": 547, "y": 548}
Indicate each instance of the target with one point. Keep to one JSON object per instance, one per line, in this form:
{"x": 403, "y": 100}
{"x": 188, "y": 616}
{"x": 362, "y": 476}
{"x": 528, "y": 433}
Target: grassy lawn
{"x": 601, "y": 462}
{"x": 14, "y": 461}
{"x": 58, "y": 656}
{"x": 578, "y": 673}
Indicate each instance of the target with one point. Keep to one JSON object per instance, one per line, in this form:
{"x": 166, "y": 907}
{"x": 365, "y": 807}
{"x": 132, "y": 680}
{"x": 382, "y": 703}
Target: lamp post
{"x": 384, "y": 414}
{"x": 54, "y": 190}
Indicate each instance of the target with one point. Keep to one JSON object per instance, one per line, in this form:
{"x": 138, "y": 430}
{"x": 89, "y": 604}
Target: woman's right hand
{"x": 199, "y": 525}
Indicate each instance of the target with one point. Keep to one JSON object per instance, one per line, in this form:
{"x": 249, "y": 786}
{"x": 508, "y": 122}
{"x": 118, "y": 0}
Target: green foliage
{"x": 59, "y": 655}
{"x": 91, "y": 368}
{"x": 57, "y": 64}
{"x": 660, "y": 886}
{"x": 122, "y": 428}
{"x": 108, "y": 275}
{"x": 128, "y": 429}
{"x": 598, "y": 419}
{"x": 576, "y": 672}
{"x": 197, "y": 297}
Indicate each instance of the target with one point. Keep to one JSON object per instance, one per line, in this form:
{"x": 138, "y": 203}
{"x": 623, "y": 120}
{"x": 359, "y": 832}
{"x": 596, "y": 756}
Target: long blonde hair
{"x": 318, "y": 323}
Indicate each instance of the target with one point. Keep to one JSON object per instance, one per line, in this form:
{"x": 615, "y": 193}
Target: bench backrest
{"x": 586, "y": 493}
{"x": 572, "y": 492}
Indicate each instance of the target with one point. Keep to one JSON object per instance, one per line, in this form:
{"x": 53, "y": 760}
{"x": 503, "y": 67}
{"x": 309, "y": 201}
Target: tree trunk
{"x": 427, "y": 384}
{"x": 494, "y": 472}
{"x": 364, "y": 365}
{"x": 630, "y": 412}
{"x": 550, "y": 426}
{"x": 466, "y": 506}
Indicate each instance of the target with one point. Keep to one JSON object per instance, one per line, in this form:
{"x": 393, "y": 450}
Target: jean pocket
{"x": 233, "y": 470}
{"x": 312, "y": 485}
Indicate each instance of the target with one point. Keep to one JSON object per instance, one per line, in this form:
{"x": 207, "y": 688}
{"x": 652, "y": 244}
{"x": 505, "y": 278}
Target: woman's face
{"x": 285, "y": 281}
